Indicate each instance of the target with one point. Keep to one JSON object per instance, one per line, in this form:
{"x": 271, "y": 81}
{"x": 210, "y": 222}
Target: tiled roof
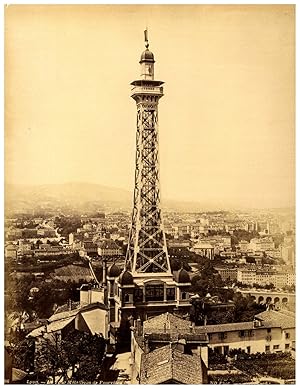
{"x": 51, "y": 327}
{"x": 89, "y": 245}
{"x": 166, "y": 363}
{"x": 288, "y": 313}
{"x": 59, "y": 324}
{"x": 269, "y": 319}
{"x": 248, "y": 325}
{"x": 203, "y": 245}
{"x": 108, "y": 244}
{"x": 277, "y": 319}
{"x": 93, "y": 314}
{"x": 35, "y": 324}
{"x": 36, "y": 332}
{"x": 63, "y": 315}
{"x": 166, "y": 322}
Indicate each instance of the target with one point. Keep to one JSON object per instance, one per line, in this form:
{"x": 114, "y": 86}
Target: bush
{"x": 216, "y": 360}
{"x": 228, "y": 379}
{"x": 278, "y": 365}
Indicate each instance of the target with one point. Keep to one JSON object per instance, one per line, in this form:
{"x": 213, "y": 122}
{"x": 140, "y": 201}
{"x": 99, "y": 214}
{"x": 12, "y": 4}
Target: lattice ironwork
{"x": 147, "y": 249}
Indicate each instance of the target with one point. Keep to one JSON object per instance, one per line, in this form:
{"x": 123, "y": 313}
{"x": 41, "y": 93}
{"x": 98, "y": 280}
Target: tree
{"x": 207, "y": 280}
{"x": 55, "y": 292}
{"x": 216, "y": 358}
{"x": 18, "y": 292}
{"x": 176, "y": 264}
{"x": 221, "y": 316}
{"x": 44, "y": 300}
{"x": 51, "y": 359}
{"x": 270, "y": 286}
{"x": 78, "y": 357}
{"x": 246, "y": 308}
{"x": 22, "y": 353}
{"x": 85, "y": 355}
{"x": 239, "y": 235}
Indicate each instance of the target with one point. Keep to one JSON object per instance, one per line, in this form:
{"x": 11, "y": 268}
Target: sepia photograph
{"x": 149, "y": 194}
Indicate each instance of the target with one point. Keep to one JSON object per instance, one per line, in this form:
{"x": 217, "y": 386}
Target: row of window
{"x": 245, "y": 333}
{"x": 242, "y": 334}
{"x": 276, "y": 347}
{"x": 154, "y": 293}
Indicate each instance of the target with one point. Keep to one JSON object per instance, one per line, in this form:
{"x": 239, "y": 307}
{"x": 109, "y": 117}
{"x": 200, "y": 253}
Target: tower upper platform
{"x": 146, "y": 85}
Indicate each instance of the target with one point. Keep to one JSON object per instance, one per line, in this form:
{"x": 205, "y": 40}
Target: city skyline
{"x": 226, "y": 122}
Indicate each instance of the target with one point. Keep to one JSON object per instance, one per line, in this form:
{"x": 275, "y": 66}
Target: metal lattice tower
{"x": 147, "y": 249}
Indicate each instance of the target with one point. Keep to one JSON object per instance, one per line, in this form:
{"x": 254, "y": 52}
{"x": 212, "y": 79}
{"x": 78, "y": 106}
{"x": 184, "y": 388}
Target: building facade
{"x": 270, "y": 332}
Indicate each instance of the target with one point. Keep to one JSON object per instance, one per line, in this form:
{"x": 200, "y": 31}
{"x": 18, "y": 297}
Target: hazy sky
{"x": 226, "y": 120}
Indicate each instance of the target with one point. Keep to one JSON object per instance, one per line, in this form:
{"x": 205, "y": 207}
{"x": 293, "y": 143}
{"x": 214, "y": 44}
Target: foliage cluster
{"x": 66, "y": 225}
{"x": 278, "y": 365}
{"x": 209, "y": 281}
{"x": 78, "y": 357}
{"x": 217, "y": 379}
{"x": 42, "y": 302}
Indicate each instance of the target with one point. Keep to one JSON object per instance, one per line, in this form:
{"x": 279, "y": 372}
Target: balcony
{"x": 147, "y": 90}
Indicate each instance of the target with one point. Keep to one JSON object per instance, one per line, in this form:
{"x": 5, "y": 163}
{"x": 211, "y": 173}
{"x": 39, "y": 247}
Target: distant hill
{"x": 92, "y": 196}
{"x": 82, "y": 195}
{"x": 69, "y": 193}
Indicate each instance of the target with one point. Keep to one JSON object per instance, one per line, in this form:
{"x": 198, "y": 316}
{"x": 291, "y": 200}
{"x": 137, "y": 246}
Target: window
{"x": 126, "y": 298}
{"x": 287, "y": 346}
{"x": 287, "y": 335}
{"x": 276, "y": 347}
{"x": 138, "y": 295}
{"x": 154, "y": 293}
{"x": 250, "y": 333}
{"x": 170, "y": 294}
{"x": 209, "y": 336}
{"x": 249, "y": 350}
{"x": 269, "y": 330}
{"x": 183, "y": 295}
{"x": 267, "y": 349}
{"x": 242, "y": 334}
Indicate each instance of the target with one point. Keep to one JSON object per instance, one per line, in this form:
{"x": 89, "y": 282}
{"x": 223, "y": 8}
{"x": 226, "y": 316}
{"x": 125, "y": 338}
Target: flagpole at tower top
{"x": 146, "y": 38}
